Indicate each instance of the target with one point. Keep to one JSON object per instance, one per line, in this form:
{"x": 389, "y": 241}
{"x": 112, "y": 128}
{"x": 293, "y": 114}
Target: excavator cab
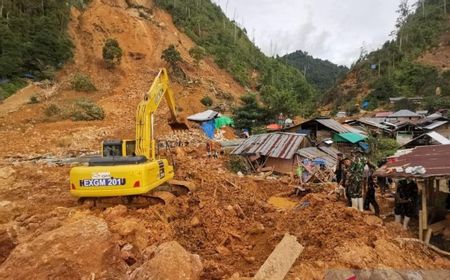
{"x": 119, "y": 148}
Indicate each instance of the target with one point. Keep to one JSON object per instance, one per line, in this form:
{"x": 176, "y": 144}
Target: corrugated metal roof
{"x": 370, "y": 122}
{"x": 330, "y": 151}
{"x": 404, "y": 114}
{"x": 438, "y": 138}
{"x": 338, "y": 127}
{"x": 313, "y": 153}
{"x": 435, "y": 160}
{"x": 277, "y": 145}
{"x": 203, "y": 116}
{"x": 435, "y": 125}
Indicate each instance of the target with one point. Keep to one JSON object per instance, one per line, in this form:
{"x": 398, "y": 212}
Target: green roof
{"x": 349, "y": 137}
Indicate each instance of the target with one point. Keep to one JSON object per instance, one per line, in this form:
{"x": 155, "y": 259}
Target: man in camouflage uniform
{"x": 356, "y": 180}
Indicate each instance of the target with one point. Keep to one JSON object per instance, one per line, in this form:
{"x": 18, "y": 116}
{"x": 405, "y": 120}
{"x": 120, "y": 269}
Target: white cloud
{"x": 329, "y": 29}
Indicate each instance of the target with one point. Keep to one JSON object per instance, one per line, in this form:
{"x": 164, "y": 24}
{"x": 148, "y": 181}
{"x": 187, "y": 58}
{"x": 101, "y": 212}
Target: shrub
{"x": 82, "y": 82}
{"x": 112, "y": 53}
{"x": 86, "y": 110}
{"x": 207, "y": 101}
{"x": 33, "y": 100}
{"x": 197, "y": 53}
{"x": 172, "y": 56}
{"x": 52, "y": 110}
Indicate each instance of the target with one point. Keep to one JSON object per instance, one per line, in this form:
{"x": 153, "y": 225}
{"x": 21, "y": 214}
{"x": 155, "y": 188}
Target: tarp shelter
{"x": 274, "y": 127}
{"x": 209, "y": 128}
{"x": 203, "y": 116}
{"x": 223, "y": 121}
{"x": 349, "y": 137}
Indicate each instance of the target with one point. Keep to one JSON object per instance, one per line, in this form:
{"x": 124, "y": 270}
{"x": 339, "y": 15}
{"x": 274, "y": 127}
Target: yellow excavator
{"x": 128, "y": 171}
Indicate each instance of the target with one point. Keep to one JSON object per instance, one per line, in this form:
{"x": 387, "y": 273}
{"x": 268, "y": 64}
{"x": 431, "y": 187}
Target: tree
{"x": 172, "y": 56}
{"x": 197, "y": 53}
{"x": 250, "y": 114}
{"x": 403, "y": 14}
{"x": 112, "y": 53}
{"x": 279, "y": 101}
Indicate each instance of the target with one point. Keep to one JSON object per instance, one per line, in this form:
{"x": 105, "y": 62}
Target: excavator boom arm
{"x": 145, "y": 142}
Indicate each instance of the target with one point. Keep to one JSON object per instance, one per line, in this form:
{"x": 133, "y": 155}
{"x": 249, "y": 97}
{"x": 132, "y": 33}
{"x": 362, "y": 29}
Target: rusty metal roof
{"x": 435, "y": 160}
{"x": 338, "y": 127}
{"x": 277, "y": 145}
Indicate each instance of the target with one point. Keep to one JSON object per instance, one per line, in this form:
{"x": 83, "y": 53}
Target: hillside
{"x": 228, "y": 43}
{"x": 323, "y": 74}
{"x": 412, "y": 64}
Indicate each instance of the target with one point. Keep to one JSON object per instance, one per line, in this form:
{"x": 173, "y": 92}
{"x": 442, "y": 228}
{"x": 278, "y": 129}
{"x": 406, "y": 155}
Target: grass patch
{"x": 9, "y": 88}
{"x": 86, "y": 110}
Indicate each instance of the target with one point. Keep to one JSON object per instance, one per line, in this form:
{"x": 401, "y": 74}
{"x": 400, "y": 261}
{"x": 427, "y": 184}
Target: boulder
{"x": 76, "y": 250}
{"x": 6, "y": 172}
{"x": 170, "y": 261}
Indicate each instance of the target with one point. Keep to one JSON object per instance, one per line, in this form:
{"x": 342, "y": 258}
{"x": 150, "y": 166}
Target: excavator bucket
{"x": 178, "y": 124}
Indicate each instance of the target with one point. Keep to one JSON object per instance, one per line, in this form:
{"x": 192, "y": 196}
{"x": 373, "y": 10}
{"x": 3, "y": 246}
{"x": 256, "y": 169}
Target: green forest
{"x": 393, "y": 69}
{"x": 323, "y": 74}
{"x": 33, "y": 41}
{"x": 281, "y": 88}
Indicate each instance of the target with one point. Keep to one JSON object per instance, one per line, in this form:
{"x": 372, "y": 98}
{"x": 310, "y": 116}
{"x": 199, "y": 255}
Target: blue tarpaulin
{"x": 209, "y": 128}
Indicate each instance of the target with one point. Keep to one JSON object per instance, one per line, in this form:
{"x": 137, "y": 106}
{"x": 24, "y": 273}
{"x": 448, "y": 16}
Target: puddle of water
{"x": 282, "y": 202}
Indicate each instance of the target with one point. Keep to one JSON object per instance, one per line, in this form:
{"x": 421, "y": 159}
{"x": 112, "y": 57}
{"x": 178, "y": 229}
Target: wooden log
{"x": 280, "y": 260}
{"x": 424, "y": 205}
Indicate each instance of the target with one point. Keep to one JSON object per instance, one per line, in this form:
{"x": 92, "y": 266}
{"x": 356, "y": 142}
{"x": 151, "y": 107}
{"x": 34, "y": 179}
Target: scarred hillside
{"x": 143, "y": 38}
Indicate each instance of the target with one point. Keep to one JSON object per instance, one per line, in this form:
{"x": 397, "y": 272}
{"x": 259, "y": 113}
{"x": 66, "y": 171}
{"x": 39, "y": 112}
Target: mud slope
{"x": 142, "y": 38}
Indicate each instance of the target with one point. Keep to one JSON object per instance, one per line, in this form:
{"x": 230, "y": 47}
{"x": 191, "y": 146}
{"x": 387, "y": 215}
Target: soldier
{"x": 356, "y": 180}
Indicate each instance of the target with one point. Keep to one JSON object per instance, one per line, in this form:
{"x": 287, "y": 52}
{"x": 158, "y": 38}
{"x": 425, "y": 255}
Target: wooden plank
{"x": 420, "y": 226}
{"x": 280, "y": 260}
{"x": 424, "y": 205}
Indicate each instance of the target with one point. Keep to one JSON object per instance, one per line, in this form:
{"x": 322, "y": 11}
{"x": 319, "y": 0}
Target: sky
{"x": 328, "y": 29}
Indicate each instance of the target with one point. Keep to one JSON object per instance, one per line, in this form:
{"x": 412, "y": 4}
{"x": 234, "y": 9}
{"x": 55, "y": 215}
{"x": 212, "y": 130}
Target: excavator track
{"x": 162, "y": 195}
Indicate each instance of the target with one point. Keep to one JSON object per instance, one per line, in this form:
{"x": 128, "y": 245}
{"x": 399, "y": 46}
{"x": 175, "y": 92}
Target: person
{"x": 339, "y": 168}
{"x": 370, "y": 199}
{"x": 245, "y": 133}
{"x": 346, "y": 163}
{"x": 405, "y": 201}
{"x": 355, "y": 182}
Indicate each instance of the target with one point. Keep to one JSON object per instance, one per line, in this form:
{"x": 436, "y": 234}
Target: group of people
{"x": 355, "y": 175}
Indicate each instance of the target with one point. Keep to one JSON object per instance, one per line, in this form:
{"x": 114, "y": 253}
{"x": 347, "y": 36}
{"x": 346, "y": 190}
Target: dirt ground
{"x": 227, "y": 221}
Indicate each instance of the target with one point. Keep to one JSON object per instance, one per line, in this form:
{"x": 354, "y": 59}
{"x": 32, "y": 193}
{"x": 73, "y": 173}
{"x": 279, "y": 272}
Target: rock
{"x": 195, "y": 221}
{"x": 6, "y": 172}
{"x": 171, "y": 261}
{"x": 7, "y": 244}
{"x": 239, "y": 211}
{"x": 8, "y": 211}
{"x": 115, "y": 212}
{"x": 75, "y": 250}
{"x": 133, "y": 231}
{"x": 162, "y": 24}
{"x": 223, "y": 251}
{"x": 257, "y": 228}
{"x": 240, "y": 174}
{"x": 373, "y": 220}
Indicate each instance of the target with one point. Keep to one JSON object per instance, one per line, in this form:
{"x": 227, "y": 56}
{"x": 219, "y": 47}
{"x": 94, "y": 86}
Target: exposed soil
{"x": 227, "y": 221}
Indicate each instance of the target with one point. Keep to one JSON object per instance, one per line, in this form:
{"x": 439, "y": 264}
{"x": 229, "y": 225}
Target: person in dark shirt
{"x": 346, "y": 163}
{"x": 339, "y": 168}
{"x": 370, "y": 196}
{"x": 405, "y": 201}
